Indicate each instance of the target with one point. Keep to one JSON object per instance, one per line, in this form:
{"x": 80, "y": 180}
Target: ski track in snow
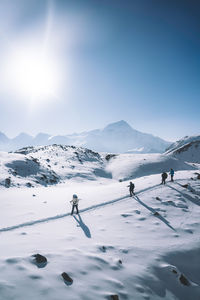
{"x": 96, "y": 206}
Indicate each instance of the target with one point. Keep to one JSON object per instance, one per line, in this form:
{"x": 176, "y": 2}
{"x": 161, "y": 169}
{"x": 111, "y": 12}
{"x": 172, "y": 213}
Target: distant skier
{"x": 74, "y": 203}
{"x": 164, "y": 177}
{"x": 172, "y": 174}
{"x": 131, "y": 188}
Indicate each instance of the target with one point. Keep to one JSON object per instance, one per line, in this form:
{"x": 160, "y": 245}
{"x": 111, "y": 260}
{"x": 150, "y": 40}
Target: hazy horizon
{"x": 74, "y": 66}
{"x": 78, "y": 132}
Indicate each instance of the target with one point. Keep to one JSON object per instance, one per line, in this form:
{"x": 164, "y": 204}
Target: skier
{"x": 164, "y": 177}
{"x": 172, "y": 174}
{"x": 74, "y": 203}
{"x": 131, "y": 188}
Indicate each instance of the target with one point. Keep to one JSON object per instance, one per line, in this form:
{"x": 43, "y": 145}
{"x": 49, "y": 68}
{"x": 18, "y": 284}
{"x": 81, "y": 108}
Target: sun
{"x": 33, "y": 75}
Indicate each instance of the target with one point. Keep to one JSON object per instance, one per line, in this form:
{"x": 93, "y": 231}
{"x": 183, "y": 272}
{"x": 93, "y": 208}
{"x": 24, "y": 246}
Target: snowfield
{"x": 118, "y": 247}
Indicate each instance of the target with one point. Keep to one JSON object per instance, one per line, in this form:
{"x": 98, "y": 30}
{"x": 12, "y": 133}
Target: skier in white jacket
{"x": 74, "y": 203}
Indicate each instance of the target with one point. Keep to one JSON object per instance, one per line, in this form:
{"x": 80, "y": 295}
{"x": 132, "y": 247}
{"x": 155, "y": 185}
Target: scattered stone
{"x": 103, "y": 248}
{"x": 7, "y": 182}
{"x": 184, "y": 280}
{"x": 28, "y": 184}
{"x": 156, "y": 214}
{"x": 185, "y": 185}
{"x": 34, "y": 195}
{"x": 119, "y": 261}
{"x": 67, "y": 278}
{"x": 114, "y": 297}
{"x": 157, "y": 198}
{"x": 174, "y": 271}
{"x": 40, "y": 260}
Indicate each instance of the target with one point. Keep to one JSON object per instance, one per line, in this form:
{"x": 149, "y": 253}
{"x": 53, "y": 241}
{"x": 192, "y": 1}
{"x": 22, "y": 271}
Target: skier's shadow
{"x": 154, "y": 212}
{"x": 84, "y": 227}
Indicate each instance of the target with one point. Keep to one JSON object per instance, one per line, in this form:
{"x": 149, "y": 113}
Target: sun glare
{"x": 33, "y": 75}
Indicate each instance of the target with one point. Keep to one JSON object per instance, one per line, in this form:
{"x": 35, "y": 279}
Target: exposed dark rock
{"x": 7, "y": 182}
{"x": 185, "y": 185}
{"x": 40, "y": 260}
{"x": 114, "y": 297}
{"x": 157, "y": 198}
{"x": 68, "y": 280}
{"x": 174, "y": 271}
{"x": 184, "y": 280}
{"x": 28, "y": 184}
{"x": 103, "y": 249}
{"x": 35, "y": 161}
{"x": 119, "y": 261}
{"x": 156, "y": 214}
{"x": 109, "y": 156}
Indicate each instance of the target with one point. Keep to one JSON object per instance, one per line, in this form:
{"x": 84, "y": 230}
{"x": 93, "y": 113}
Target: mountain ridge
{"x": 118, "y": 137}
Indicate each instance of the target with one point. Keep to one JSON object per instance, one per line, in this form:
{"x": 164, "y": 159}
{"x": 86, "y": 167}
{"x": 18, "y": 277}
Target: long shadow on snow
{"x": 186, "y": 196}
{"x": 191, "y": 189}
{"x": 83, "y": 226}
{"x": 30, "y": 223}
{"x": 153, "y": 211}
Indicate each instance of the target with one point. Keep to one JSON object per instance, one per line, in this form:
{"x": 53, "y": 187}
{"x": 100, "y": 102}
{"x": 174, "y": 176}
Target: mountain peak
{"x": 118, "y": 125}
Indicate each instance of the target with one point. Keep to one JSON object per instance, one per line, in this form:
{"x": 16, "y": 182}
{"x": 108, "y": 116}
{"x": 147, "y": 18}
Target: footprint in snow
{"x": 137, "y": 211}
{"x": 126, "y": 215}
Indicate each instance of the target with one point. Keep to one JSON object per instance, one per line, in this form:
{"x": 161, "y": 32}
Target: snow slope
{"x": 130, "y": 166}
{"x": 145, "y": 247}
{"x": 183, "y": 142}
{"x": 189, "y": 152}
{"x": 49, "y": 165}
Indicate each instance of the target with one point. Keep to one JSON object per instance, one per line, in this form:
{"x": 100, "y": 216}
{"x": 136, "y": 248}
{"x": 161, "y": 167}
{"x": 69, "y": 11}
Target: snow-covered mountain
{"x": 186, "y": 149}
{"x": 120, "y": 137}
{"x": 185, "y": 140}
{"x": 48, "y": 165}
{"x": 22, "y": 140}
{"x": 117, "y": 137}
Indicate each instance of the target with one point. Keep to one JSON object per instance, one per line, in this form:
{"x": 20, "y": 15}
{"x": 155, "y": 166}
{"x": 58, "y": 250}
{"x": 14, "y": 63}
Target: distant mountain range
{"x": 117, "y": 137}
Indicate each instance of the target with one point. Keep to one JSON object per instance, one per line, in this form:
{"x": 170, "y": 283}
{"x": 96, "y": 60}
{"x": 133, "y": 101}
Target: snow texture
{"x": 140, "y": 247}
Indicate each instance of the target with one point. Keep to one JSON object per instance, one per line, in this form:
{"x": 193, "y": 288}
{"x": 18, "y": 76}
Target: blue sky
{"x": 102, "y": 61}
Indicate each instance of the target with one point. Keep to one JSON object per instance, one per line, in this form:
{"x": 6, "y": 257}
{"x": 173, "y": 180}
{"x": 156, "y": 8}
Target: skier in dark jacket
{"x": 131, "y": 188}
{"x": 172, "y": 174}
{"x": 164, "y": 177}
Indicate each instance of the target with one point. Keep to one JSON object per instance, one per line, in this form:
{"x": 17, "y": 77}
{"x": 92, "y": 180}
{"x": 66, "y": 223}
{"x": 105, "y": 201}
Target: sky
{"x": 75, "y": 65}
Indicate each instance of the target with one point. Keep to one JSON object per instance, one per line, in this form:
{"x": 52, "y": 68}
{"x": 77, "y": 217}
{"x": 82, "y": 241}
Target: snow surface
{"x": 47, "y": 165}
{"x": 136, "y": 248}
